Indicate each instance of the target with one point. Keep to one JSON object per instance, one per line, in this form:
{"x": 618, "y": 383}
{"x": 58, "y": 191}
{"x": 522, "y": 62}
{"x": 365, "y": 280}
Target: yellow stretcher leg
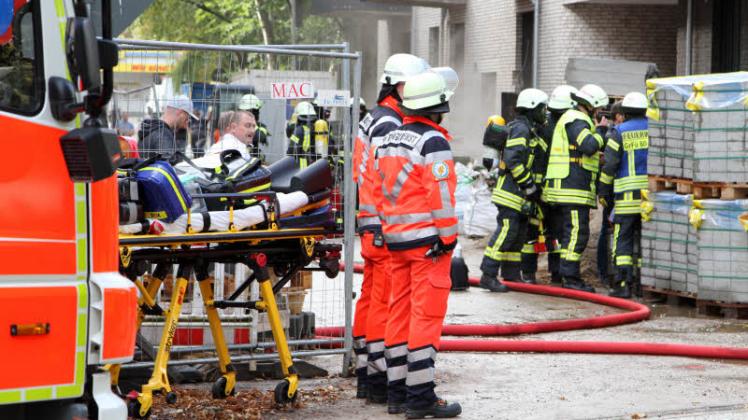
{"x": 225, "y": 385}
{"x": 159, "y": 378}
{"x": 285, "y": 391}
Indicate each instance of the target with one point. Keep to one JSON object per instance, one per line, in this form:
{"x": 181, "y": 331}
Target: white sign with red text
{"x": 292, "y": 90}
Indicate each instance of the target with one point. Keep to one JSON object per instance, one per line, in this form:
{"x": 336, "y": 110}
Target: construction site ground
{"x": 531, "y": 386}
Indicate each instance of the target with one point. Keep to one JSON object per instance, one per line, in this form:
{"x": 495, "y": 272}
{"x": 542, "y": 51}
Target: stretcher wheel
{"x": 281, "y": 393}
{"x": 171, "y": 398}
{"x": 219, "y": 388}
{"x": 133, "y": 410}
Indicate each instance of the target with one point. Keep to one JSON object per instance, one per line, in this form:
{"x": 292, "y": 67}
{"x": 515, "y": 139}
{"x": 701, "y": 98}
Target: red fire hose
{"x": 636, "y": 312}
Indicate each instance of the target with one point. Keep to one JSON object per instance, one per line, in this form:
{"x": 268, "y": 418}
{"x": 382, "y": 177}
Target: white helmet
{"x": 531, "y": 98}
{"x": 304, "y": 109}
{"x": 591, "y": 95}
{"x": 427, "y": 90}
{"x": 561, "y": 98}
{"x": 250, "y": 101}
{"x": 634, "y": 101}
{"x": 400, "y": 67}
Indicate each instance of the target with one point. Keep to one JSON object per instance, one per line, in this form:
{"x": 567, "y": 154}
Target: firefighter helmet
{"x": 561, "y": 98}
{"x": 591, "y": 96}
{"x": 427, "y": 92}
{"x": 531, "y": 98}
{"x": 496, "y": 120}
{"x": 400, "y": 67}
{"x": 305, "y": 109}
{"x": 634, "y": 101}
{"x": 249, "y": 102}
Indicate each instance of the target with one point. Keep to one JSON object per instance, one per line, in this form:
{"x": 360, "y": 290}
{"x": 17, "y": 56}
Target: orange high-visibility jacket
{"x": 383, "y": 119}
{"x": 418, "y": 185}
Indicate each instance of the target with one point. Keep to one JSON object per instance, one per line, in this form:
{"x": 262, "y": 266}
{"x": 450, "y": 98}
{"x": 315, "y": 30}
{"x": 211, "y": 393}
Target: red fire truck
{"x": 65, "y": 312}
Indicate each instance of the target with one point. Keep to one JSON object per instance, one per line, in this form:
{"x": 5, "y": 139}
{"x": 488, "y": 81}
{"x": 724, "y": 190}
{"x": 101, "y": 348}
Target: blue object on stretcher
{"x": 320, "y": 217}
{"x": 164, "y": 197}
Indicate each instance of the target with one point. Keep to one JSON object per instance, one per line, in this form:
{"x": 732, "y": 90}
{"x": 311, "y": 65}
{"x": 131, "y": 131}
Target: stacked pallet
{"x": 669, "y": 245}
{"x": 694, "y": 244}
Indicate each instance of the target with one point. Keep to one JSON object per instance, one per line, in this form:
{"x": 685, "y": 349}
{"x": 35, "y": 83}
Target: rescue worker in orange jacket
{"x": 420, "y": 229}
{"x": 370, "y": 319}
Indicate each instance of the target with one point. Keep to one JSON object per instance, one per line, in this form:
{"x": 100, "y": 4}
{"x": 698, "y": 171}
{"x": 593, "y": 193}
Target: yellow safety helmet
{"x": 496, "y": 120}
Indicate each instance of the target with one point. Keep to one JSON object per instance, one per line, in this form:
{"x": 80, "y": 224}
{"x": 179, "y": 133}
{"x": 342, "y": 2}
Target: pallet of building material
{"x": 669, "y": 244}
{"x": 665, "y": 183}
{"x": 722, "y": 250}
{"x": 722, "y": 309}
{"x": 671, "y": 297}
{"x": 699, "y": 127}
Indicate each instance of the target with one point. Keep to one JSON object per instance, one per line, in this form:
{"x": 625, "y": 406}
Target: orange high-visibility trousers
{"x": 377, "y": 258}
{"x": 418, "y": 303}
{"x": 361, "y": 315}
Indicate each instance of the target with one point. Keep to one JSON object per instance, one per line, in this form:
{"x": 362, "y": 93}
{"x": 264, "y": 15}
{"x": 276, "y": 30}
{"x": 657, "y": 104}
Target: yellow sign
{"x": 634, "y": 140}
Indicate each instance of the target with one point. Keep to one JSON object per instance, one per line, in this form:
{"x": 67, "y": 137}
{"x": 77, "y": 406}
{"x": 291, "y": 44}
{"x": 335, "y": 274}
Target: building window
{"x": 21, "y": 78}
{"x": 434, "y": 46}
{"x": 457, "y": 47}
{"x": 729, "y": 28}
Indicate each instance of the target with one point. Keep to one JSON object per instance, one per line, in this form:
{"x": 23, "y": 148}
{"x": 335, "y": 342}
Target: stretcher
{"x": 285, "y": 241}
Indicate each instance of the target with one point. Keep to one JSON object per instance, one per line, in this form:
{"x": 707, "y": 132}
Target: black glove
{"x": 532, "y": 192}
{"x": 488, "y": 163}
{"x": 439, "y": 248}
{"x": 529, "y": 208}
{"x": 605, "y": 195}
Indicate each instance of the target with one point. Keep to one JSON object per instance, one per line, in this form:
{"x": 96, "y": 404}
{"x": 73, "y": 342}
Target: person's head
{"x": 242, "y": 125}
{"x": 178, "y": 112}
{"x": 223, "y": 122}
{"x": 634, "y": 105}
{"x": 532, "y": 104}
{"x": 427, "y": 94}
{"x": 397, "y": 70}
{"x": 251, "y": 103}
{"x": 590, "y": 99}
{"x": 616, "y": 112}
{"x": 560, "y": 100}
{"x": 124, "y": 116}
{"x": 305, "y": 112}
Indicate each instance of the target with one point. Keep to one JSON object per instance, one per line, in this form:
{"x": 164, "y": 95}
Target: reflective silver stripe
{"x": 367, "y": 221}
{"x": 443, "y": 213}
{"x": 396, "y": 373}
{"x": 422, "y": 354}
{"x": 383, "y": 120}
{"x": 397, "y": 351}
{"x": 402, "y": 177}
{"x": 448, "y": 231}
{"x": 376, "y": 366}
{"x": 446, "y": 197}
{"x": 368, "y": 208}
{"x": 394, "y": 152}
{"x": 411, "y": 235}
{"x": 407, "y": 218}
{"x": 359, "y": 343}
{"x": 419, "y": 377}
{"x": 375, "y": 347}
{"x": 440, "y": 156}
{"x": 362, "y": 361}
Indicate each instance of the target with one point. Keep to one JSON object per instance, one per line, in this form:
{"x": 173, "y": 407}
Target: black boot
{"x": 529, "y": 278}
{"x": 362, "y": 389}
{"x": 396, "y": 407}
{"x": 556, "y": 278}
{"x": 490, "y": 283}
{"x": 577, "y": 284}
{"x": 621, "y": 287}
{"x": 440, "y": 409}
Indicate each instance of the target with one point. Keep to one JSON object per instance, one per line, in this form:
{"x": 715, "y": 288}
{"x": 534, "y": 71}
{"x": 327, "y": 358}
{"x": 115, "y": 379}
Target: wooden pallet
{"x": 703, "y": 307}
{"x": 722, "y": 309}
{"x": 700, "y": 190}
{"x": 663, "y": 183}
{"x": 724, "y": 191}
{"x": 670, "y": 297}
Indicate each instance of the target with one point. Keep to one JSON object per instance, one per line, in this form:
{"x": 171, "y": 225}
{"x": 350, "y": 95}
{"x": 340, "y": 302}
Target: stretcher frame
{"x": 287, "y": 251}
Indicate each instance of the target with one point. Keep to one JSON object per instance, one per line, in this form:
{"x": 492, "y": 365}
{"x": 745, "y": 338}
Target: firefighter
{"x": 370, "y": 318}
{"x": 253, "y": 104}
{"x": 300, "y": 144}
{"x": 516, "y": 194}
{"x": 623, "y": 178}
{"x": 573, "y": 165}
{"x": 420, "y": 228}
{"x": 559, "y": 102}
